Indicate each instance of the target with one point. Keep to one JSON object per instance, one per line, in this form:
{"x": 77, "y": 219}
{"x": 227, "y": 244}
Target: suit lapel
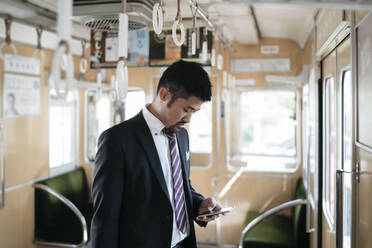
{"x": 145, "y": 137}
{"x": 182, "y": 150}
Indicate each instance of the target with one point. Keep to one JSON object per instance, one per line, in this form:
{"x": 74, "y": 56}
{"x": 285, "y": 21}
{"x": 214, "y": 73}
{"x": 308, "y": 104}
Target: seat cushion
{"x": 275, "y": 231}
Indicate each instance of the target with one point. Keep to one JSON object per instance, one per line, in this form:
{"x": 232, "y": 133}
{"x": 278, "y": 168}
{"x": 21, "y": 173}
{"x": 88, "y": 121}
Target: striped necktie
{"x": 178, "y": 192}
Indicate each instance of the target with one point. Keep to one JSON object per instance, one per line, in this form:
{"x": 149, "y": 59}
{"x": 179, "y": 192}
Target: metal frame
{"x": 87, "y": 93}
{"x": 74, "y": 209}
{"x": 2, "y": 154}
{"x": 298, "y": 111}
{"x": 266, "y": 214}
{"x": 53, "y": 171}
{"x": 365, "y": 147}
{"x": 354, "y": 191}
{"x": 327, "y": 212}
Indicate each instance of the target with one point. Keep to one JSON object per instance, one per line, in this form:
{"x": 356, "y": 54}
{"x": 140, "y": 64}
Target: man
{"x": 142, "y": 194}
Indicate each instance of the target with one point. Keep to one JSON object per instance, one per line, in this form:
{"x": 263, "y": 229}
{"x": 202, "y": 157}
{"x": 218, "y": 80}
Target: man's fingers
{"x": 211, "y": 203}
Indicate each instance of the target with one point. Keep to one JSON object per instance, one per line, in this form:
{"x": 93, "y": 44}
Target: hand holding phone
{"x": 217, "y": 212}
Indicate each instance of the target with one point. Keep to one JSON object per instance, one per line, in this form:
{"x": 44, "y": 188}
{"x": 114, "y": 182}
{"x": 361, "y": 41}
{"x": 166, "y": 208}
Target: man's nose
{"x": 187, "y": 117}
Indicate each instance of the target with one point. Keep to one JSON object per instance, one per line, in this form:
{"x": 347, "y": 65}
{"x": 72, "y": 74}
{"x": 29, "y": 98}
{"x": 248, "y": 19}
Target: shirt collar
{"x": 155, "y": 125}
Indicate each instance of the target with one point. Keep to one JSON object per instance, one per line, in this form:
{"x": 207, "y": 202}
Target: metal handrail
{"x": 266, "y": 214}
{"x": 74, "y": 209}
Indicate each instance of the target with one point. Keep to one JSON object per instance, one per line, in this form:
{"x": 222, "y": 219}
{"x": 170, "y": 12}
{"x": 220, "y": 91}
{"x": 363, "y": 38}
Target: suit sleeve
{"x": 107, "y": 191}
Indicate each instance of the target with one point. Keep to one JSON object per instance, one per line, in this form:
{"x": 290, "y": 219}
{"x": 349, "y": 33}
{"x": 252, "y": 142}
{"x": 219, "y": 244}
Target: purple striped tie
{"x": 179, "y": 202}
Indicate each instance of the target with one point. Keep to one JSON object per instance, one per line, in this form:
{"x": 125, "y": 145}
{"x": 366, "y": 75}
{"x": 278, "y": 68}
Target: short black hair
{"x": 185, "y": 79}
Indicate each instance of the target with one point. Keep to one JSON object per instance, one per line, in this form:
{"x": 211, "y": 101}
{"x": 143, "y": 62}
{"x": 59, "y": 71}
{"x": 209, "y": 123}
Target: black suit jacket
{"x": 131, "y": 202}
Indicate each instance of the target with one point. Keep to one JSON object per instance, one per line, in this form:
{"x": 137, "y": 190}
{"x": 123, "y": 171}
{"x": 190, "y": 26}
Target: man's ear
{"x": 164, "y": 95}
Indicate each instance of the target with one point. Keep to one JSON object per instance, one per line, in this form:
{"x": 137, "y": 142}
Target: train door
{"x": 337, "y": 101}
{"x": 363, "y": 151}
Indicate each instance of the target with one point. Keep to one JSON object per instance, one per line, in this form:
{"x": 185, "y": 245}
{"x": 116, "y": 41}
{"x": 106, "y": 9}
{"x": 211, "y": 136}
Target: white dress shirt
{"x": 162, "y": 146}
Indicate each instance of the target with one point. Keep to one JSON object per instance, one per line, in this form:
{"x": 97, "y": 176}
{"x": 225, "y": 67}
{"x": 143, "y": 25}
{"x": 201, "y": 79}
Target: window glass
{"x": 347, "y": 119}
{"x": 62, "y": 131}
{"x": 134, "y": 103}
{"x": 98, "y": 118}
{"x": 330, "y": 148}
{"x": 200, "y": 129}
{"x": 266, "y": 130}
{"x": 267, "y": 123}
{"x": 305, "y": 132}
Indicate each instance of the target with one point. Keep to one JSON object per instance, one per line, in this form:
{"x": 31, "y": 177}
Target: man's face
{"x": 180, "y": 112}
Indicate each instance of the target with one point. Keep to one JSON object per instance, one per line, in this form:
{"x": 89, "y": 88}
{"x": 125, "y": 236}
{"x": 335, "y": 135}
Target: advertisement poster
{"x": 163, "y": 50}
{"x": 21, "y": 95}
{"x": 104, "y": 52}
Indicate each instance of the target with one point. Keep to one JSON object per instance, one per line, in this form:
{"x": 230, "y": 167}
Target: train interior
{"x": 284, "y": 139}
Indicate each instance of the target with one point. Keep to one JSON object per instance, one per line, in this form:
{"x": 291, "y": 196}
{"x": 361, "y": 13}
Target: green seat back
{"x": 273, "y": 232}
{"x": 299, "y": 217}
{"x": 54, "y": 221}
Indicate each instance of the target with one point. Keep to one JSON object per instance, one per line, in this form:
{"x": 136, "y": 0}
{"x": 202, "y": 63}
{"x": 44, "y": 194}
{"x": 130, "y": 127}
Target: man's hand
{"x": 208, "y": 204}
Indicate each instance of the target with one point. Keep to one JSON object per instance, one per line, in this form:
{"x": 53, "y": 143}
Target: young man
{"x": 142, "y": 194}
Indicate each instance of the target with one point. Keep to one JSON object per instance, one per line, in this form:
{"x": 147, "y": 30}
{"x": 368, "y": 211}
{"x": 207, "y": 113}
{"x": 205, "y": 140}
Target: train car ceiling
{"x": 241, "y": 21}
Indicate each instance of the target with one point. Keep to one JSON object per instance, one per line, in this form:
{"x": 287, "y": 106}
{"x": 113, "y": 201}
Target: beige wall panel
{"x": 326, "y": 22}
{"x": 287, "y": 49}
{"x": 364, "y": 222}
{"x": 308, "y": 50}
{"x": 359, "y": 15}
{"x": 27, "y": 138}
{"x": 328, "y": 237}
{"x": 17, "y": 219}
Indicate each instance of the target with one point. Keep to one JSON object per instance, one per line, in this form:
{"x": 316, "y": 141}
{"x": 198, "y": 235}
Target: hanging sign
{"x": 22, "y": 64}
{"x": 21, "y": 95}
{"x": 163, "y": 50}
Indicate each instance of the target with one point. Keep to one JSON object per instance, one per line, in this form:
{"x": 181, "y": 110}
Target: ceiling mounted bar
{"x": 22, "y": 21}
{"x": 202, "y": 14}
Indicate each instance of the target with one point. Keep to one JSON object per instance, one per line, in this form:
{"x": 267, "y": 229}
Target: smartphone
{"x": 221, "y": 211}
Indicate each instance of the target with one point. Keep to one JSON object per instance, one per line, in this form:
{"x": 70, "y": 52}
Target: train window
{"x": 201, "y": 138}
{"x": 347, "y": 120}
{"x": 63, "y": 133}
{"x": 267, "y": 130}
{"x": 305, "y": 132}
{"x": 347, "y": 146}
{"x": 134, "y": 102}
{"x": 330, "y": 150}
{"x": 98, "y": 117}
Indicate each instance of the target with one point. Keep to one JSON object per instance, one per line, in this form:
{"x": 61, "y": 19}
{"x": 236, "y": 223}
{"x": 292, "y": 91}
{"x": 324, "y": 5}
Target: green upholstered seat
{"x": 279, "y": 231}
{"x": 54, "y": 221}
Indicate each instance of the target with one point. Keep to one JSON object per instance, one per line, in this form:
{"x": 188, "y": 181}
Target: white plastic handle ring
{"x": 205, "y": 51}
{"x": 63, "y": 62}
{"x": 219, "y": 62}
{"x": 157, "y": 18}
{"x": 7, "y": 56}
{"x": 83, "y": 65}
{"x": 121, "y": 80}
{"x": 193, "y": 43}
{"x": 174, "y": 33}
{"x": 225, "y": 95}
{"x": 98, "y": 94}
{"x": 113, "y": 93}
{"x": 213, "y": 57}
{"x": 62, "y": 87}
{"x": 42, "y": 55}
